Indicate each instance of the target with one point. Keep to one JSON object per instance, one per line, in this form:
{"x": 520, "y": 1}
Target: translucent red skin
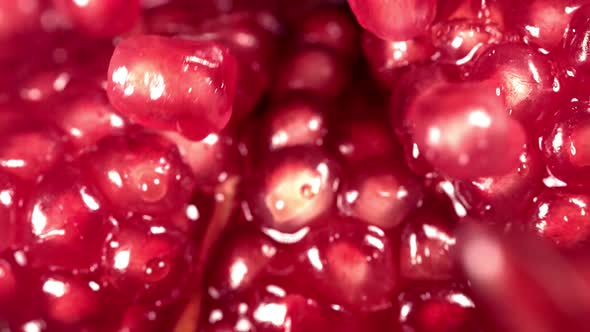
{"x": 173, "y": 84}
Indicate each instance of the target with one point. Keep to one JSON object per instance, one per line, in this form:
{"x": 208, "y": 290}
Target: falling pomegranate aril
{"x": 412, "y": 17}
{"x": 465, "y": 131}
{"x": 173, "y": 84}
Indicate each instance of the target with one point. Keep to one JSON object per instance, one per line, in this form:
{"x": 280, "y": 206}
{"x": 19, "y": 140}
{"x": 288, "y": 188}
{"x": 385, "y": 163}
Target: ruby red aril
{"x": 11, "y": 196}
{"x": 212, "y": 160}
{"x": 465, "y": 131}
{"x": 357, "y": 138}
{"x": 312, "y": 69}
{"x": 30, "y": 150}
{"x": 380, "y": 192}
{"x": 540, "y": 23}
{"x": 412, "y": 17}
{"x": 69, "y": 300}
{"x": 147, "y": 261}
{"x": 560, "y": 216}
{"x": 67, "y": 223}
{"x": 438, "y": 308}
{"x": 575, "y": 42}
{"x": 525, "y": 78}
{"x": 497, "y": 199}
{"x": 291, "y": 187}
{"x": 140, "y": 172}
{"x": 173, "y": 84}
{"x": 386, "y": 58}
{"x": 427, "y": 244}
{"x": 460, "y": 41}
{"x": 102, "y": 18}
{"x": 564, "y": 143}
{"x": 331, "y": 27}
{"x": 334, "y": 260}
{"x": 296, "y": 119}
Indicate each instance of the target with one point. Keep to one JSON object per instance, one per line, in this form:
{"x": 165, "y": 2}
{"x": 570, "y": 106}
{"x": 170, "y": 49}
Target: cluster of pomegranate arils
{"x": 294, "y": 166}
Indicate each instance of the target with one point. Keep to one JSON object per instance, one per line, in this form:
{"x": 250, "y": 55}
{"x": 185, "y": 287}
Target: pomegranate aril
{"x": 12, "y": 193}
{"x": 499, "y": 199}
{"x": 8, "y": 283}
{"x": 564, "y": 143}
{"x": 140, "y": 172}
{"x": 349, "y": 263}
{"x": 66, "y": 222}
{"x": 575, "y": 44}
{"x": 488, "y": 143}
{"x": 438, "y": 308}
{"x": 412, "y": 17}
{"x": 173, "y": 84}
{"x": 561, "y": 217}
{"x": 290, "y": 188}
{"x": 149, "y": 262}
{"x": 312, "y": 69}
{"x": 460, "y": 41}
{"x": 386, "y": 58}
{"x": 524, "y": 77}
{"x": 212, "y": 160}
{"x": 427, "y": 244}
{"x": 380, "y": 192}
{"x": 541, "y": 23}
{"x": 410, "y": 83}
{"x": 266, "y": 308}
{"x": 69, "y": 300}
{"x": 30, "y": 150}
{"x": 102, "y": 18}
{"x": 87, "y": 117}
{"x": 332, "y": 27}
{"x": 296, "y": 119}
{"x": 242, "y": 258}
{"x": 357, "y": 138}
